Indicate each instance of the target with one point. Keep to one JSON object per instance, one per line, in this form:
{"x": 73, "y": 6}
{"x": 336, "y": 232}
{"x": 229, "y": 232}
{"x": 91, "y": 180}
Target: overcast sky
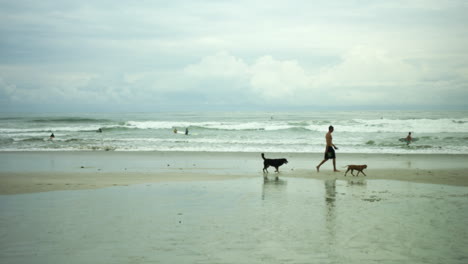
{"x": 106, "y": 55}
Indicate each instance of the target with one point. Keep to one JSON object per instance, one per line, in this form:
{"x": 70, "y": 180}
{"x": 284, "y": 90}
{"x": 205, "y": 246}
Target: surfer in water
{"x": 52, "y": 136}
{"x": 176, "y": 131}
{"x": 408, "y": 139}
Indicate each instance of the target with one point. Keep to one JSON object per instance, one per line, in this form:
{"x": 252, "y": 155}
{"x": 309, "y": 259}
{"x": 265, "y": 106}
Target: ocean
{"x": 443, "y": 132}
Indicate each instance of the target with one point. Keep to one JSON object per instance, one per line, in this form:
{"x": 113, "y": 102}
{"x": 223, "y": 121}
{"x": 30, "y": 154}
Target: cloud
{"x": 7, "y": 90}
{"x": 370, "y": 75}
{"x": 370, "y": 67}
{"x": 221, "y": 52}
{"x": 266, "y": 77}
{"x": 274, "y": 79}
{"x": 218, "y": 66}
{"x": 365, "y": 75}
{"x": 49, "y": 86}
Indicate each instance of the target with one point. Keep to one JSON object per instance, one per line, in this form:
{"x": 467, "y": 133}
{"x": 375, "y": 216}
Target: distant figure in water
{"x": 408, "y": 138}
{"x": 186, "y": 131}
{"x": 99, "y": 130}
{"x": 52, "y": 136}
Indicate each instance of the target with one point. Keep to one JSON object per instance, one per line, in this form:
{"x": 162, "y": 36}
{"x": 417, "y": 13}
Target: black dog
{"x": 272, "y": 162}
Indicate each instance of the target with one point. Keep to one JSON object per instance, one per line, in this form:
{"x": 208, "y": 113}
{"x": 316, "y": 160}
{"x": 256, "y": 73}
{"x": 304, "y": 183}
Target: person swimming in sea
{"x": 52, "y": 136}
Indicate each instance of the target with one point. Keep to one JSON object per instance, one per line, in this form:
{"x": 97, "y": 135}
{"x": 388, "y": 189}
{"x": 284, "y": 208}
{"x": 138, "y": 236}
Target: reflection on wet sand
{"x": 330, "y": 214}
{"x": 331, "y": 205}
{"x": 294, "y": 221}
{"x": 357, "y": 182}
{"x": 271, "y": 187}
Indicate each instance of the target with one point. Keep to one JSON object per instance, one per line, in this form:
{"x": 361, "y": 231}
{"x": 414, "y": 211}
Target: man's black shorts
{"x": 330, "y": 154}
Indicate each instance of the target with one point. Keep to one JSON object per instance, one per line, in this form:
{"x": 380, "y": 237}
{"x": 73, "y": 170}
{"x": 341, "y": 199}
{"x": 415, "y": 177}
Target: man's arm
{"x": 333, "y": 144}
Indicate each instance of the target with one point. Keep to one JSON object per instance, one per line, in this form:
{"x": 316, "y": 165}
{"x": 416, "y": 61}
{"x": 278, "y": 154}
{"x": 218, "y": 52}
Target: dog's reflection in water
{"x": 273, "y": 187}
{"x": 358, "y": 182}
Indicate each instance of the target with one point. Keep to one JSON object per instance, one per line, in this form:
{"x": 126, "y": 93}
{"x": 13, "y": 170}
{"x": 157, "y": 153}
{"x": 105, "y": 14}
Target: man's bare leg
{"x": 334, "y": 166}
{"x": 318, "y": 166}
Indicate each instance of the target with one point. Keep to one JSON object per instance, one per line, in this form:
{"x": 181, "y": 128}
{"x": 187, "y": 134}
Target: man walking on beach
{"x": 329, "y": 150}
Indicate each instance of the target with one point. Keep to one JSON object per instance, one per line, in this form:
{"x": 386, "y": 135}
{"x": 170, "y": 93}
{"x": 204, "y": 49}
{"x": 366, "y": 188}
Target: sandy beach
{"x": 171, "y": 207}
{"x": 28, "y": 172}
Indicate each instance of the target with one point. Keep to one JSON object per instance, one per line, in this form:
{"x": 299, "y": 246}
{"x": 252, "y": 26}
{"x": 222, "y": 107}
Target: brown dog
{"x": 359, "y": 168}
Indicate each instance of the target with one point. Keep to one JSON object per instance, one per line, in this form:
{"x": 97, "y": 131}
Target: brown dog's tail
{"x": 263, "y": 156}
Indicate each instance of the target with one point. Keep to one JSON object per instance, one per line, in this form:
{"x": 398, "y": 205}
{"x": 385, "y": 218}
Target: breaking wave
{"x": 302, "y": 132}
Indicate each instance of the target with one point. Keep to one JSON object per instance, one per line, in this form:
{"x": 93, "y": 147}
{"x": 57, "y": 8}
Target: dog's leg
{"x": 265, "y": 167}
{"x": 276, "y": 169}
{"x": 358, "y": 173}
{"x": 346, "y": 172}
{"x": 363, "y": 173}
{"x": 352, "y": 170}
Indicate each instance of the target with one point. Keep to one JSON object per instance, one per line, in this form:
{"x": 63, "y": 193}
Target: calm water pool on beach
{"x": 239, "y": 221}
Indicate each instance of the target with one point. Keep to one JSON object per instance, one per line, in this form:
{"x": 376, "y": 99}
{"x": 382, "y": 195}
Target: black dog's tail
{"x": 263, "y": 156}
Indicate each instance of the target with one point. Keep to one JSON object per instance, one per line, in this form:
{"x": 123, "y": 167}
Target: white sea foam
{"x": 355, "y": 125}
{"x": 363, "y": 132}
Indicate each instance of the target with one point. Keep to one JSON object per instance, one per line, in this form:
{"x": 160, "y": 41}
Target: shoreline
{"x": 223, "y": 152}
{"x": 29, "y": 172}
{"x": 27, "y": 182}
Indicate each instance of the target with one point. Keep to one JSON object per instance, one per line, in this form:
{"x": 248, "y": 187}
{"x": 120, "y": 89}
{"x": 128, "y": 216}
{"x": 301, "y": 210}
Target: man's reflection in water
{"x": 330, "y": 214}
{"x": 353, "y": 187}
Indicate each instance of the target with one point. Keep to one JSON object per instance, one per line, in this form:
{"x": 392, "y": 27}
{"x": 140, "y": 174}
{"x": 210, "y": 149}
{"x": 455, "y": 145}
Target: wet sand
{"x": 28, "y": 172}
{"x": 244, "y": 220}
{"x": 160, "y": 207}
{"x": 28, "y": 182}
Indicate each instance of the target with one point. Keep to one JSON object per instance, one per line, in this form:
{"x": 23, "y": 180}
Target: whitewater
{"x": 296, "y": 132}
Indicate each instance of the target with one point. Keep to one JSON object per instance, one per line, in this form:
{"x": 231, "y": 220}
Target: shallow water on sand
{"x": 239, "y": 221}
